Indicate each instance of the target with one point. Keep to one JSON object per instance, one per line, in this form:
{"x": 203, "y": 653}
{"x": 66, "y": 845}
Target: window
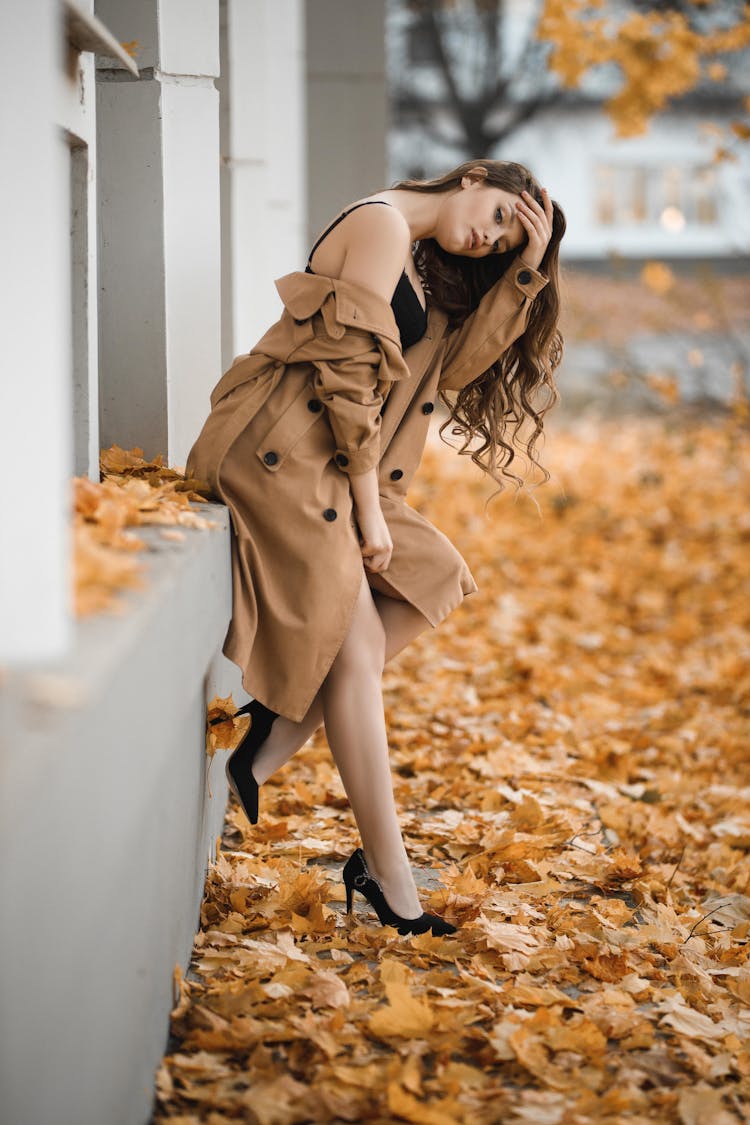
{"x": 671, "y": 196}
{"x": 701, "y": 197}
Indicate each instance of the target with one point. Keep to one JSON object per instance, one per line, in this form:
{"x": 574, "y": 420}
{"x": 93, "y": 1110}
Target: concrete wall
{"x": 106, "y": 827}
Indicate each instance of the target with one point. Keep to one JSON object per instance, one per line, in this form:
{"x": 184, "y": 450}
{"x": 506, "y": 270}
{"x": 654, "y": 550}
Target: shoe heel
{"x": 244, "y": 785}
{"x": 242, "y": 803}
{"x": 357, "y": 874}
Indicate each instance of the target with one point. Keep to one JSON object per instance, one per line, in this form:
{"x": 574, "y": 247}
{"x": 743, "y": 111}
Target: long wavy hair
{"x": 501, "y": 412}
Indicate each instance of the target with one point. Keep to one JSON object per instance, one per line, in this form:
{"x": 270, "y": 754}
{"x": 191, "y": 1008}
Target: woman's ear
{"x": 474, "y": 177}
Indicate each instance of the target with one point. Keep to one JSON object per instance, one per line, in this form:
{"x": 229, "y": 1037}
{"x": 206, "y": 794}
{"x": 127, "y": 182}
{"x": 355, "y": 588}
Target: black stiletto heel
{"x": 356, "y": 874}
{"x": 239, "y": 764}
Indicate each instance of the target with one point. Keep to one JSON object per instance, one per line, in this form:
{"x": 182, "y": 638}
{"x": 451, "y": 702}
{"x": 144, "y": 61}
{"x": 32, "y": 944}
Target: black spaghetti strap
{"x": 337, "y": 220}
{"x": 411, "y": 317}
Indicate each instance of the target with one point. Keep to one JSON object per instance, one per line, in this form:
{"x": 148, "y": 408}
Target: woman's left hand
{"x": 537, "y": 221}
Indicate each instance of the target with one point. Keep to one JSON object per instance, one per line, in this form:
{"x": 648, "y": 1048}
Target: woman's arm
{"x": 499, "y": 319}
{"x": 376, "y": 545}
{"x": 503, "y": 313}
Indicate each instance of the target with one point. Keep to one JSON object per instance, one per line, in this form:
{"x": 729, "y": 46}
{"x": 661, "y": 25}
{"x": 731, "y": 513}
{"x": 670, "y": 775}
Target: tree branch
{"x": 523, "y": 112}
{"x": 437, "y": 42}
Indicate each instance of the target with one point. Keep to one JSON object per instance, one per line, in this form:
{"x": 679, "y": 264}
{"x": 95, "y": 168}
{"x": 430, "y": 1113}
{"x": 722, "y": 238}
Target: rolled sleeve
{"x": 526, "y": 279}
{"x": 349, "y": 336}
{"x": 348, "y": 388}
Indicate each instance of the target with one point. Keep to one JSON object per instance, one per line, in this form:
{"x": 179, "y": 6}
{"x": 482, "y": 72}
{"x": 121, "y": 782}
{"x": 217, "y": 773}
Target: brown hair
{"x": 506, "y": 394}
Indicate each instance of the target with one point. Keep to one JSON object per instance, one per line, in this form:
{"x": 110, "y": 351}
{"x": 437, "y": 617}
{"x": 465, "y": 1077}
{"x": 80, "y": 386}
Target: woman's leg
{"x": 352, "y": 698}
{"x": 402, "y": 624}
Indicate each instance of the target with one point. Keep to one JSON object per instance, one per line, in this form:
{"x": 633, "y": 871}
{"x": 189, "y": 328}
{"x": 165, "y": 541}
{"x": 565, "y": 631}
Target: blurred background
{"x": 647, "y": 154}
{"x": 164, "y": 162}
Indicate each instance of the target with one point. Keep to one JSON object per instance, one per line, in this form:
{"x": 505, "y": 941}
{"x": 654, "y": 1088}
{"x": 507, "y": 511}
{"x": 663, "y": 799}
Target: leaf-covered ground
{"x": 570, "y": 761}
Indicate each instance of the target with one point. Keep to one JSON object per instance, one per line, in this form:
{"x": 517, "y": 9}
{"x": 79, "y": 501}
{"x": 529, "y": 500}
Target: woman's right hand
{"x": 538, "y": 224}
{"x": 376, "y": 544}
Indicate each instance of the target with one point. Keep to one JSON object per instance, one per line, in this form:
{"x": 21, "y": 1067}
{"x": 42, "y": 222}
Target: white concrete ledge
{"x": 106, "y": 828}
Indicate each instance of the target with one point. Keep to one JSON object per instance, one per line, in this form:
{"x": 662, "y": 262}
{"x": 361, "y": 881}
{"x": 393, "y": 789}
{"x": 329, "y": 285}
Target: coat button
{"x": 330, "y": 514}
{"x": 428, "y": 407}
{"x": 315, "y": 405}
{"x": 397, "y": 474}
{"x": 523, "y": 277}
{"x": 342, "y": 459}
{"x": 270, "y": 458}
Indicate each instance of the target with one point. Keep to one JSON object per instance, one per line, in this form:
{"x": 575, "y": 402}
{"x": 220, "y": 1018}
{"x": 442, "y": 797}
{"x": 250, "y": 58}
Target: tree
{"x": 499, "y": 62}
{"x": 492, "y": 74}
{"x": 658, "y": 52}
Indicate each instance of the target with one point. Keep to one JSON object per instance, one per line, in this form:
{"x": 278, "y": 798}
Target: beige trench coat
{"x": 325, "y": 393}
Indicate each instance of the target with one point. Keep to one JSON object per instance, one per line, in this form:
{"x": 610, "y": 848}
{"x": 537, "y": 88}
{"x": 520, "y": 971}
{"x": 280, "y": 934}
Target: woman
{"x": 313, "y": 438}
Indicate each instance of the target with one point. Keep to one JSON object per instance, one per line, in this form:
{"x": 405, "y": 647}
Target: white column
{"x": 76, "y": 113}
{"x": 263, "y": 150}
{"x": 160, "y": 230}
{"x": 347, "y": 105}
{"x": 35, "y": 389}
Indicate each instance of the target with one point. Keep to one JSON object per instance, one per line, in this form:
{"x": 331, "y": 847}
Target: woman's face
{"x": 479, "y": 219}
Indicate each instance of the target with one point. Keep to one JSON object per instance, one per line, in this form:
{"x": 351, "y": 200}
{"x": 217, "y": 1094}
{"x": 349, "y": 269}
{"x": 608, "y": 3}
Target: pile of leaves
{"x": 132, "y": 492}
{"x": 570, "y": 762}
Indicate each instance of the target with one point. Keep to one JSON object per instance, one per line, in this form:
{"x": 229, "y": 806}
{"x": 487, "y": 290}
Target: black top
{"x": 411, "y": 318}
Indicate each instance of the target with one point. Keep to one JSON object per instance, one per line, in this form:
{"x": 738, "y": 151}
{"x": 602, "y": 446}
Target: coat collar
{"x": 353, "y": 306}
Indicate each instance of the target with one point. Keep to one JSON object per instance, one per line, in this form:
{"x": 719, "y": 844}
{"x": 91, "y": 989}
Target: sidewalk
{"x": 568, "y": 752}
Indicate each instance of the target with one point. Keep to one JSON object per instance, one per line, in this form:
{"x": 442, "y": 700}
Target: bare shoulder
{"x": 377, "y": 242}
